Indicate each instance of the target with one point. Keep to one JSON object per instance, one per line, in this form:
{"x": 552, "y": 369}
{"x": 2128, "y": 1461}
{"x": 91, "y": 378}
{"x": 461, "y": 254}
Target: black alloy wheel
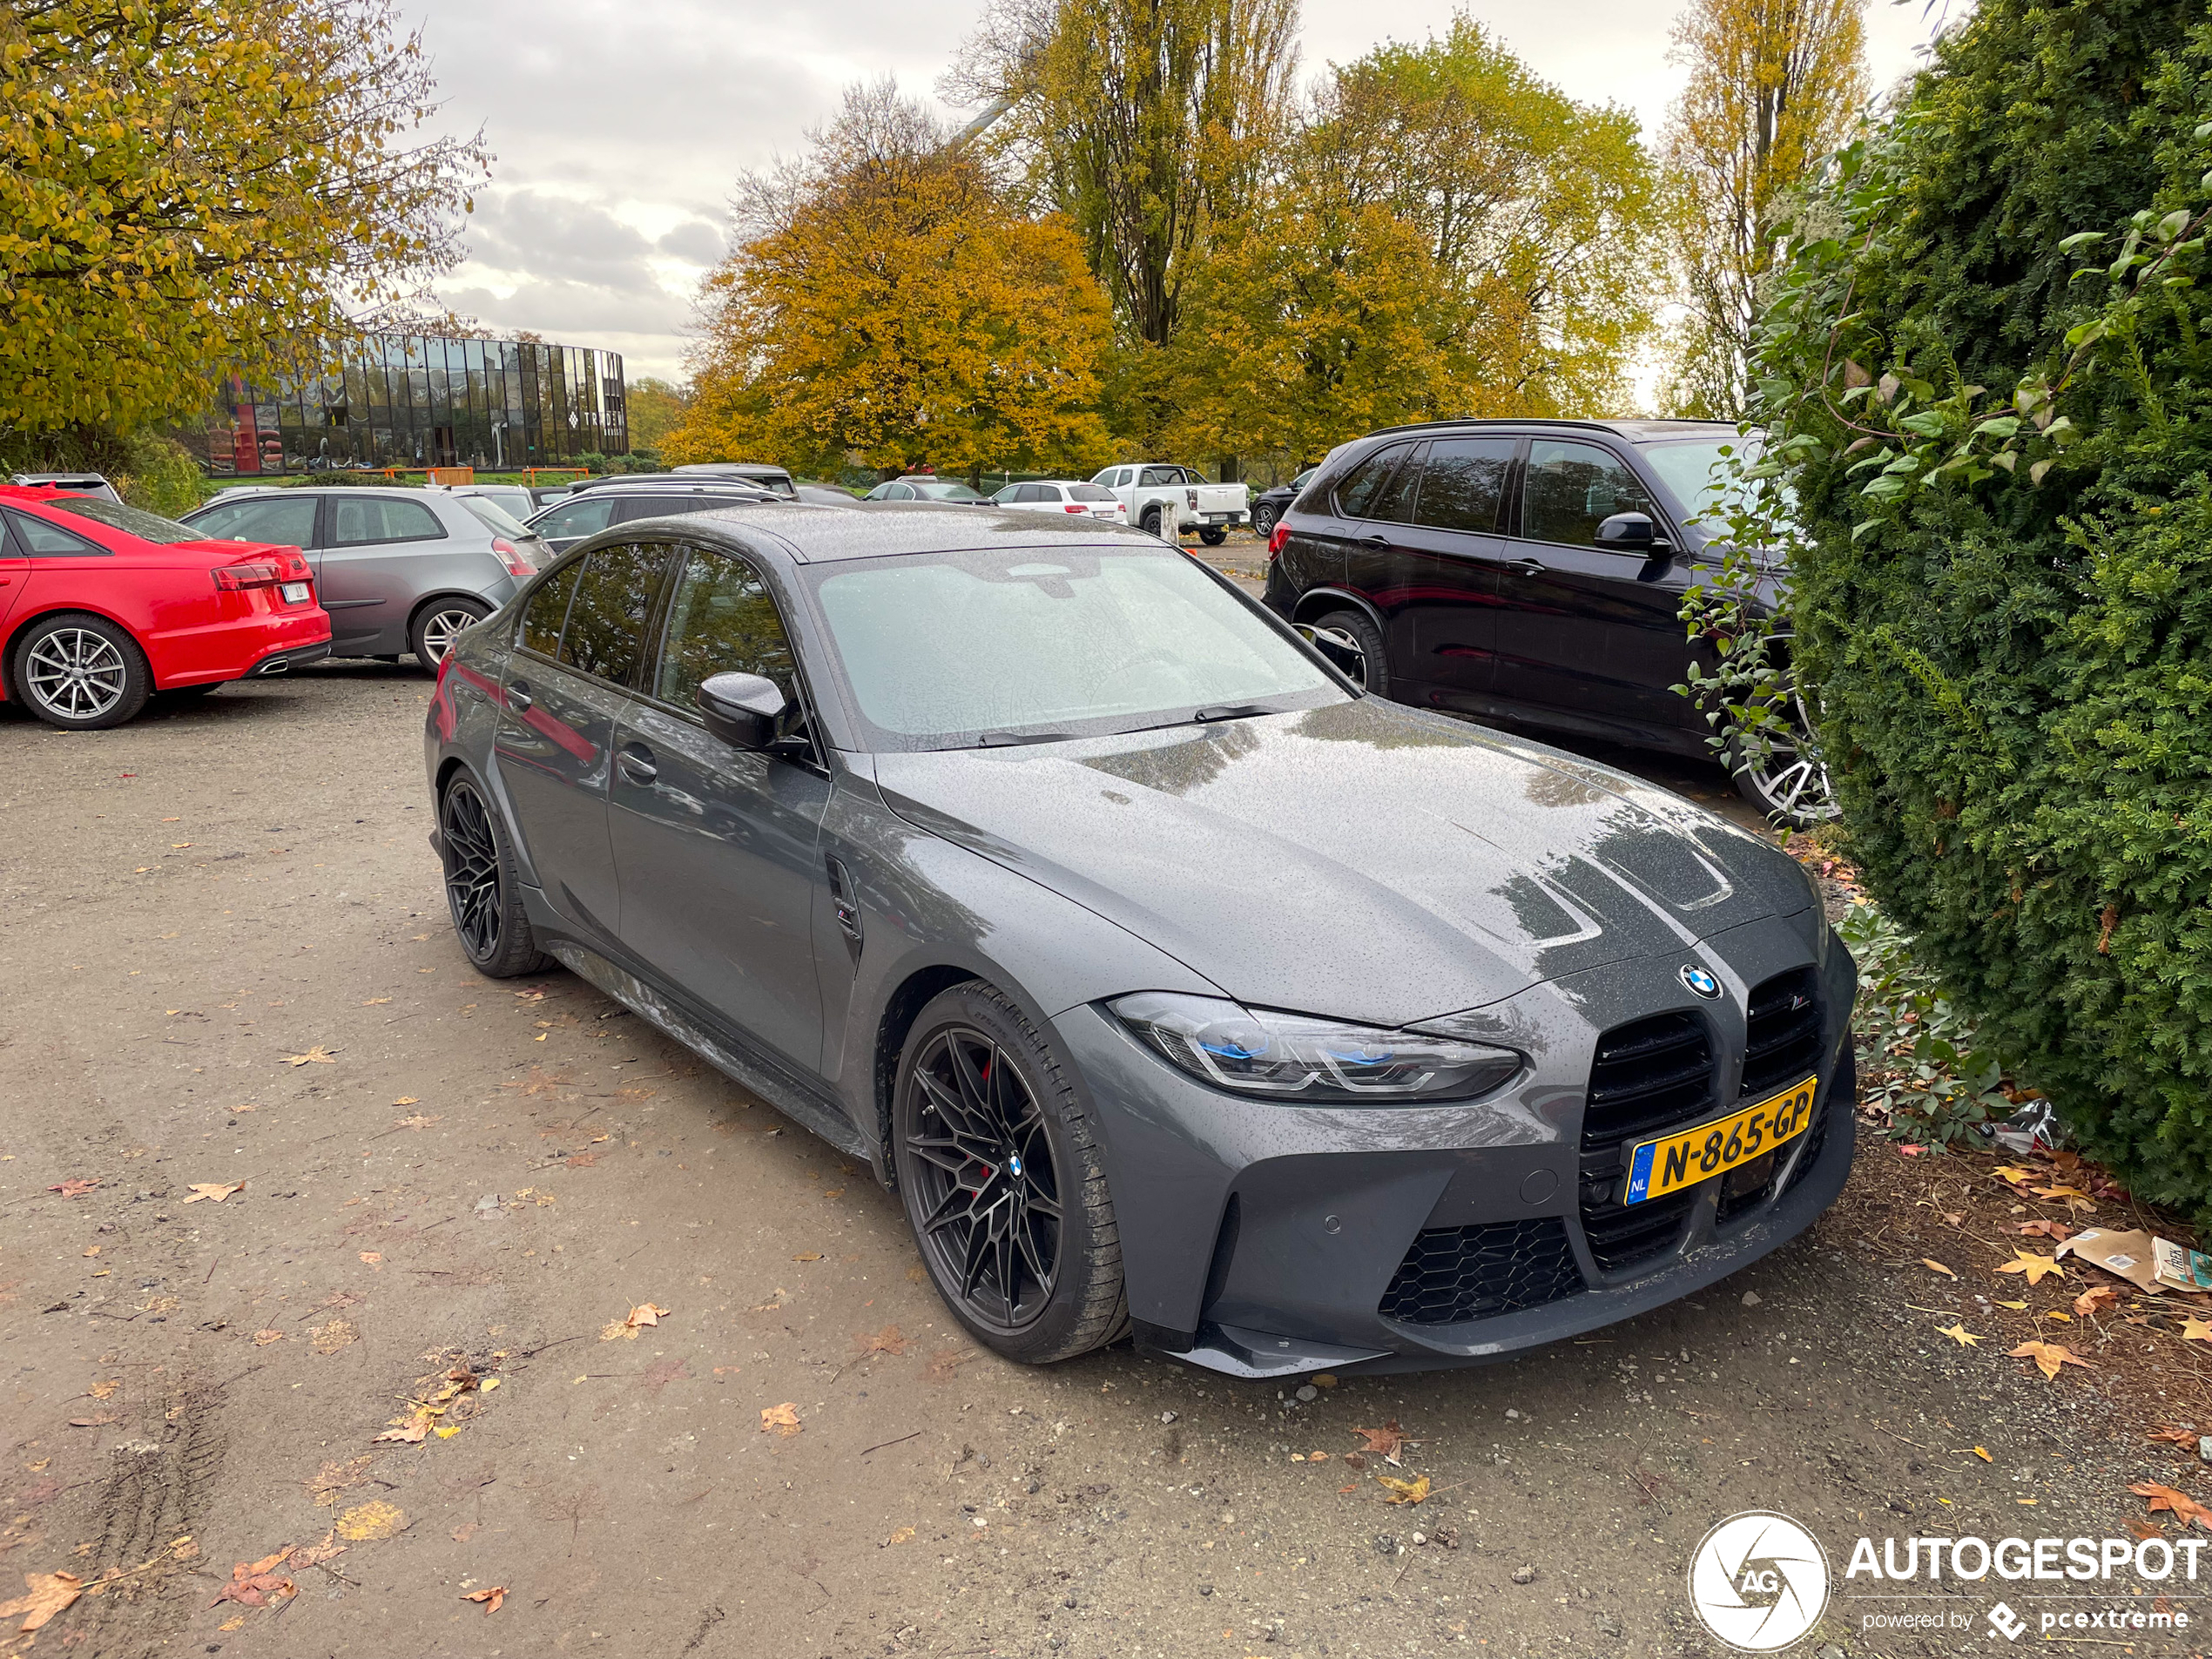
{"x": 481, "y": 892}
{"x": 1264, "y": 521}
{"x": 1001, "y": 1176}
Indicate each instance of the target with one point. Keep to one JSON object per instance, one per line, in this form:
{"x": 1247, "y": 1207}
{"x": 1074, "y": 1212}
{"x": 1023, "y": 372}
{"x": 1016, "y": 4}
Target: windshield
{"x": 1690, "y": 470}
{"x": 939, "y": 491}
{"x": 147, "y": 527}
{"x": 496, "y": 518}
{"x": 946, "y": 650}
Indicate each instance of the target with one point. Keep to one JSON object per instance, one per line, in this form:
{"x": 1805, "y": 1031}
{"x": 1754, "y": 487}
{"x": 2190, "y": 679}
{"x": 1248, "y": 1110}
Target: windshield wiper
{"x": 1229, "y": 711}
{"x": 1008, "y": 739}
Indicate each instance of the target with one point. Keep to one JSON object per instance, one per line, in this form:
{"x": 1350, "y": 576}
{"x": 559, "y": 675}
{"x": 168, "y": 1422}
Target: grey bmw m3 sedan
{"x": 1176, "y": 987}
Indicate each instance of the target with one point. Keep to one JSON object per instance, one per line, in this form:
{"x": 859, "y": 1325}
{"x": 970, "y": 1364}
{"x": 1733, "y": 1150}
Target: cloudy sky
{"x": 619, "y": 124}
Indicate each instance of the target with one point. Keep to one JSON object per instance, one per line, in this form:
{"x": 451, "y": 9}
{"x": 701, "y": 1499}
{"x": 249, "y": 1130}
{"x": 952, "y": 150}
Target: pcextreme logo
{"x": 1759, "y": 1581}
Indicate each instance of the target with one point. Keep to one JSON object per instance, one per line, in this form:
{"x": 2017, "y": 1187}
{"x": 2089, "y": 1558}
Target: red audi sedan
{"x": 102, "y": 605}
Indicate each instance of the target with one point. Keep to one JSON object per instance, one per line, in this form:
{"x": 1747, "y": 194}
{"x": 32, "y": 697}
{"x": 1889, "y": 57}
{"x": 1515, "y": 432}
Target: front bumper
{"x": 1263, "y": 1240}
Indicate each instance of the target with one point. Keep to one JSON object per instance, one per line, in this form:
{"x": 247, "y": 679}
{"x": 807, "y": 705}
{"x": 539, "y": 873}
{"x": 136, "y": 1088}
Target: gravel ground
{"x": 224, "y": 959}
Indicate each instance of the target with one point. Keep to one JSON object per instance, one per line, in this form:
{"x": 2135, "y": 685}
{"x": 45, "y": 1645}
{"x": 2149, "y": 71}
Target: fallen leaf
{"x": 376, "y": 1518}
{"x": 262, "y": 1339}
{"x": 48, "y": 1593}
{"x": 407, "y": 1100}
{"x": 2060, "y": 1192}
{"x": 2195, "y": 1330}
{"x": 92, "y": 1249}
{"x": 2057, "y": 1317}
{"x": 810, "y": 1255}
{"x": 886, "y": 1340}
{"x": 1385, "y": 1442}
{"x": 315, "y": 1554}
{"x": 257, "y": 1583}
{"x": 75, "y": 1187}
{"x": 1353, "y": 1461}
{"x": 2184, "y": 1507}
{"x": 100, "y": 1422}
{"x": 2016, "y": 1307}
{"x": 903, "y": 1534}
{"x": 2092, "y": 1298}
{"x": 236, "y": 1621}
{"x": 1982, "y": 1452}
{"x": 1317, "y": 1457}
{"x": 214, "y": 1191}
{"x": 2176, "y": 1436}
{"x": 376, "y": 1001}
{"x": 2028, "y": 1262}
{"x": 2057, "y": 1229}
{"x": 374, "y": 1258}
{"x": 1322, "y": 1379}
{"x": 1404, "y": 1491}
{"x": 783, "y": 1419}
{"x": 492, "y": 1598}
{"x": 1959, "y": 1333}
{"x": 2048, "y": 1356}
{"x": 333, "y": 1478}
{"x": 2013, "y": 1173}
{"x": 328, "y": 1338}
{"x": 1935, "y": 1266}
{"x": 412, "y": 1430}
{"x": 638, "y": 1318}
{"x": 105, "y": 1390}
{"x": 317, "y": 1055}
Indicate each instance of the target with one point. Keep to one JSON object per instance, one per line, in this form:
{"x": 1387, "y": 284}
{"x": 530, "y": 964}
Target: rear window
{"x": 1089, "y": 492}
{"x": 492, "y": 516}
{"x": 355, "y": 521}
{"x": 946, "y": 492}
{"x": 147, "y": 527}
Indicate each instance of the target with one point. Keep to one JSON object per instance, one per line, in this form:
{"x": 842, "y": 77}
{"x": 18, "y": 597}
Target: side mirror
{"x": 1632, "y": 533}
{"x": 741, "y": 709}
{"x": 1340, "y": 648}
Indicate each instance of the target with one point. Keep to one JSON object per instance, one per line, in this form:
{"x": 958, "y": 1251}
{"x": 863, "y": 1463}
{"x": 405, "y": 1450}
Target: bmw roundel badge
{"x": 1700, "y": 982}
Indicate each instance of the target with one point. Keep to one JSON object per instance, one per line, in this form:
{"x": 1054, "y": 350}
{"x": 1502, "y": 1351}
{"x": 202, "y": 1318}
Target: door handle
{"x": 1380, "y": 544}
{"x": 635, "y": 761}
{"x": 518, "y": 696}
{"x": 1531, "y": 566}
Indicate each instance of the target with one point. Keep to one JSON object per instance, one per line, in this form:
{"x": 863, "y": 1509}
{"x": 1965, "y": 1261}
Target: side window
{"x": 1356, "y": 494}
{"x": 631, "y": 509}
{"x": 1158, "y": 477}
{"x": 41, "y": 540}
{"x": 721, "y": 621}
{"x": 606, "y": 627}
{"x": 547, "y": 610}
{"x": 576, "y": 518}
{"x": 900, "y": 492}
{"x": 361, "y": 523}
{"x": 1462, "y": 482}
{"x": 1393, "y": 502}
{"x": 1573, "y": 488}
{"x": 283, "y": 522}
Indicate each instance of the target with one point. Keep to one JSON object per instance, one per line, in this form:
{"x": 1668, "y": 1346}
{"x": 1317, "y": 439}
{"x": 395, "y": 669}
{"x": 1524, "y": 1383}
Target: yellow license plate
{"x": 1672, "y": 1161}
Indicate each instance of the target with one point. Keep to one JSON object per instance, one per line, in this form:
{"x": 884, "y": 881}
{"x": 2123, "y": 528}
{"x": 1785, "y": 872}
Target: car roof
{"x": 402, "y": 490}
{"x": 1634, "y": 431}
{"x": 818, "y": 534}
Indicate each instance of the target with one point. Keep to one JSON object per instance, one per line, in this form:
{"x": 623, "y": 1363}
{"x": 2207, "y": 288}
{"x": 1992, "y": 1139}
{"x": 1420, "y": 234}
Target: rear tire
{"x": 484, "y": 891}
{"x": 431, "y": 634}
{"x": 1213, "y": 538}
{"x": 1363, "y": 630}
{"x": 1001, "y": 1177}
{"x": 79, "y": 672}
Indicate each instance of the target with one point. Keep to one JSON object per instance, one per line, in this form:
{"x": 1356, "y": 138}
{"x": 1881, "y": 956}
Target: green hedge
{"x": 2015, "y": 666}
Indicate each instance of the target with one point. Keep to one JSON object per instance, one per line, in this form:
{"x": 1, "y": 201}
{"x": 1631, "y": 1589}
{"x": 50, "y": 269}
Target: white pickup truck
{"x": 1168, "y": 500}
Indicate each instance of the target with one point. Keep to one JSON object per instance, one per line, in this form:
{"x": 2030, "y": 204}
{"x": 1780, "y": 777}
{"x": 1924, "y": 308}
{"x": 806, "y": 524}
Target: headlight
{"x": 1303, "y": 1059}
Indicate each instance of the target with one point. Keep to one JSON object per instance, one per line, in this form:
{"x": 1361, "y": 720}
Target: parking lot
{"x": 227, "y": 960}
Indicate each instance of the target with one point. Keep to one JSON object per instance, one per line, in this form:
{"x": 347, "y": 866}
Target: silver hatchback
{"x": 398, "y": 569}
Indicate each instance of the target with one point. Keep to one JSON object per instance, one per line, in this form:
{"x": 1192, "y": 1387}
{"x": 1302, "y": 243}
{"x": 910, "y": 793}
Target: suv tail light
{"x": 515, "y": 564}
{"x": 249, "y": 573}
{"x": 1275, "y": 542}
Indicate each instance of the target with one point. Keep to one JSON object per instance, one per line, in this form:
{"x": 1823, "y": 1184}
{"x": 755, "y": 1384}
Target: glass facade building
{"x": 417, "y": 401}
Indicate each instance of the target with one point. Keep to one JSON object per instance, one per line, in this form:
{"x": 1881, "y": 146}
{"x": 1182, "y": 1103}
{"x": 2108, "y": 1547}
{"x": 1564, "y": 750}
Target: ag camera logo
{"x": 1759, "y": 1581}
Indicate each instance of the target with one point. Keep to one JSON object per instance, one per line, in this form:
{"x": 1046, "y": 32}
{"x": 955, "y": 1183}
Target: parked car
{"x": 774, "y": 480}
{"x": 925, "y": 486}
{"x": 1531, "y": 571}
{"x": 104, "y": 605}
{"x": 825, "y": 496}
{"x": 974, "y": 845}
{"x": 78, "y": 483}
{"x": 1063, "y": 495}
{"x": 514, "y": 500}
{"x": 1268, "y": 505}
{"x": 1168, "y": 500}
{"x": 398, "y": 569}
{"x": 563, "y": 524}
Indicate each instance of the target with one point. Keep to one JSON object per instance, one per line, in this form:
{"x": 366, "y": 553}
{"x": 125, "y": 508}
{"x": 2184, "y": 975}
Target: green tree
{"x": 187, "y": 190}
{"x": 1774, "y": 86}
{"x": 885, "y": 303}
{"x": 657, "y": 408}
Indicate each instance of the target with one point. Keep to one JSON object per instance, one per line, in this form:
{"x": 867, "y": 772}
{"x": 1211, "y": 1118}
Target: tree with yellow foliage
{"x": 1775, "y": 85}
{"x": 190, "y": 190}
{"x": 884, "y": 304}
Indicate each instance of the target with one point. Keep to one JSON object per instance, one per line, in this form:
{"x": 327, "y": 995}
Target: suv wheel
{"x": 1000, "y": 1173}
{"x": 1263, "y": 522}
{"x": 1790, "y": 784}
{"x": 436, "y": 625}
{"x": 1376, "y": 675}
{"x": 80, "y": 672}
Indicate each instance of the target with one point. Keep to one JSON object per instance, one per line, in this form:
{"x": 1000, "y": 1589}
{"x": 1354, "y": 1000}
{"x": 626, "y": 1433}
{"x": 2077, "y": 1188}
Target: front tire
{"x": 437, "y": 625}
{"x": 1376, "y": 677}
{"x": 1000, "y": 1173}
{"x": 1264, "y": 521}
{"x": 80, "y": 672}
{"x": 483, "y": 892}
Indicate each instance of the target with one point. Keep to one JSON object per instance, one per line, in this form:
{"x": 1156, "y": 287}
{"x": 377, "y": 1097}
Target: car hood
{"x": 1363, "y": 859}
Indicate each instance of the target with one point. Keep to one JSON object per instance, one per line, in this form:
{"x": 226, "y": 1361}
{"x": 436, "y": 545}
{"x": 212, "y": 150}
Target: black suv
{"x": 1525, "y": 571}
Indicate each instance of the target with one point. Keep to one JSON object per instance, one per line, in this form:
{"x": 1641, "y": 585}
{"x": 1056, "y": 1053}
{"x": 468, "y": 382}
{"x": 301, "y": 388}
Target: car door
{"x": 1587, "y": 638}
{"x": 567, "y": 683}
{"x": 1365, "y": 527}
{"x": 717, "y": 847}
{"x": 286, "y": 520}
{"x": 1453, "y": 549}
{"x": 370, "y": 568}
{"x": 15, "y": 570}
{"x": 567, "y": 521}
